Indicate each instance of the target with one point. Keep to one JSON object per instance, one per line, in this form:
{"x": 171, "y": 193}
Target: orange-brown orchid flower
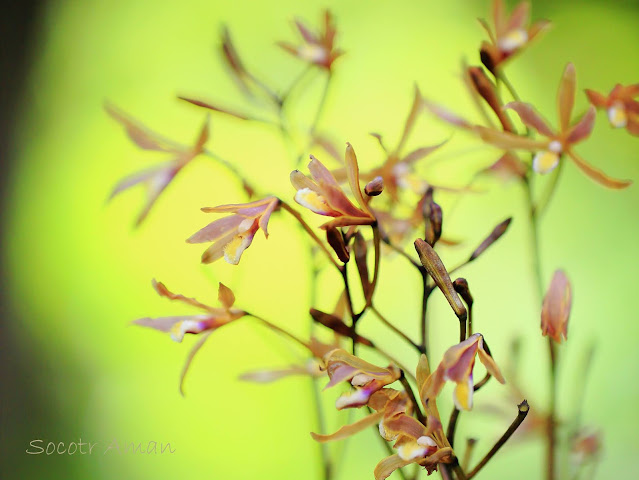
{"x": 318, "y": 49}
{"x": 365, "y": 377}
{"x": 157, "y": 178}
{"x": 323, "y": 195}
{"x": 457, "y": 366}
{"x": 557, "y": 143}
{"x": 234, "y": 234}
{"x": 415, "y": 443}
{"x": 511, "y": 33}
{"x": 555, "y": 310}
{"x": 620, "y": 105}
{"x": 211, "y": 319}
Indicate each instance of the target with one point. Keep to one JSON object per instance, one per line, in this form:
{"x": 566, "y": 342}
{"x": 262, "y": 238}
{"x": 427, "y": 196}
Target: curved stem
{"x": 286, "y": 333}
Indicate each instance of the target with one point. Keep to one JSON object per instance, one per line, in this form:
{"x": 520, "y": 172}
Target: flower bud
{"x": 374, "y": 187}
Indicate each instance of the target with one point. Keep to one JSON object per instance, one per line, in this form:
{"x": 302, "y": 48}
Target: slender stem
{"x": 286, "y": 333}
{"x": 401, "y": 251}
{"x": 452, "y": 425}
{"x": 284, "y": 96}
{"x": 534, "y": 239}
{"x": 411, "y": 396}
{"x": 392, "y": 359}
{"x": 509, "y": 86}
{"x": 327, "y": 467}
{"x": 377, "y": 246}
{"x": 482, "y": 382}
{"x": 551, "y": 453}
{"x": 522, "y": 411}
{"x": 459, "y": 471}
{"x": 426, "y": 291}
{"x": 310, "y": 231}
{"x": 395, "y": 329}
{"x": 548, "y": 193}
{"x": 231, "y": 167}
{"x": 322, "y": 104}
{"x": 470, "y": 446}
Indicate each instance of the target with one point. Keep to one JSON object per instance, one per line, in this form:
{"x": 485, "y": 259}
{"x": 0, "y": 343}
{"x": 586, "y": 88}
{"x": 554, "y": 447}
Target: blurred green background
{"x": 77, "y": 273}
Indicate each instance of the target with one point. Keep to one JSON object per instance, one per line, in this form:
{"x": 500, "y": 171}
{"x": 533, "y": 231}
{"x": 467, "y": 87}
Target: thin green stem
{"x": 286, "y": 333}
{"x": 411, "y": 396}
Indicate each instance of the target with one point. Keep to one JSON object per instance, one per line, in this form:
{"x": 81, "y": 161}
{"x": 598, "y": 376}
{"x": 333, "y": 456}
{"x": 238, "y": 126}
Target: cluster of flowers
{"x": 412, "y": 422}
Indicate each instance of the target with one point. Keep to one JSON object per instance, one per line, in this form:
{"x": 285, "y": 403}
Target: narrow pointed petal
{"x": 446, "y": 115}
{"x": 352, "y": 172}
{"x": 225, "y": 296}
{"x": 597, "y": 175}
{"x": 531, "y": 118}
{"x": 215, "y": 108}
{"x": 489, "y": 363}
{"x": 519, "y": 17}
{"x": 388, "y": 465}
{"x": 509, "y": 141}
{"x": 597, "y": 99}
{"x": 189, "y": 359}
{"x": 139, "y": 134}
{"x": 139, "y": 177}
{"x": 202, "y": 137}
{"x": 166, "y": 324}
{"x": 320, "y": 173}
{"x": 217, "y": 229}
{"x": 161, "y": 289}
{"x": 348, "y": 430}
{"x": 566, "y": 97}
{"x": 301, "y": 181}
{"x": 422, "y": 152}
{"x": 582, "y": 129}
{"x": 410, "y": 120}
{"x": 216, "y": 251}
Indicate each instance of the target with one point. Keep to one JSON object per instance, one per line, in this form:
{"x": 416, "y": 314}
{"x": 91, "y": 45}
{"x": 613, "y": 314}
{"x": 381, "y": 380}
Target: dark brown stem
{"x": 452, "y": 425}
{"x": 522, "y": 411}
{"x": 426, "y": 291}
{"x": 411, "y": 396}
{"x": 482, "y": 382}
{"x": 470, "y": 446}
{"x": 401, "y": 251}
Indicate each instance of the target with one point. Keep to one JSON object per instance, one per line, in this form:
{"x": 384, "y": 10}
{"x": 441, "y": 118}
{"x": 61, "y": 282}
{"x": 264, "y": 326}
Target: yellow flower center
{"x": 617, "y": 115}
{"x": 513, "y": 40}
{"x": 545, "y": 161}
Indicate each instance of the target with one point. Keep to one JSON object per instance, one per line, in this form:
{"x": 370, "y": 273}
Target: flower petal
{"x": 582, "y": 129}
{"x": 225, "y": 296}
{"x": 463, "y": 394}
{"x": 531, "y": 118}
{"x": 165, "y": 324}
{"x": 555, "y": 311}
{"x": 597, "y": 175}
{"x": 161, "y": 289}
{"x": 388, "y": 465}
{"x": 597, "y": 99}
{"x": 509, "y": 141}
{"x": 190, "y": 357}
{"x": 352, "y": 429}
{"x": 352, "y": 172}
{"x": 217, "y": 229}
{"x": 566, "y": 97}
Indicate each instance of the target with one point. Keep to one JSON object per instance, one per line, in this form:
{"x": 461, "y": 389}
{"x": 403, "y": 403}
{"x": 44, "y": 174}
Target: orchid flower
{"x": 550, "y": 151}
{"x": 317, "y": 49}
{"x": 156, "y": 179}
{"x": 511, "y": 33}
{"x": 211, "y": 319}
{"x": 365, "y": 377}
{"x": 323, "y": 195}
{"x": 232, "y": 235}
{"x": 457, "y": 366}
{"x": 620, "y": 105}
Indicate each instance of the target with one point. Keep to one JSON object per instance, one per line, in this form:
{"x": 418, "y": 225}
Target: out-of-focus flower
{"x": 323, "y": 195}
{"x": 318, "y": 49}
{"x": 586, "y": 447}
{"x": 234, "y": 234}
{"x": 511, "y": 34}
{"x": 397, "y": 171}
{"x": 557, "y": 143}
{"x": 457, "y": 366}
{"x": 211, "y": 319}
{"x": 156, "y": 179}
{"x": 620, "y": 105}
{"x": 367, "y": 378}
{"x": 555, "y": 311}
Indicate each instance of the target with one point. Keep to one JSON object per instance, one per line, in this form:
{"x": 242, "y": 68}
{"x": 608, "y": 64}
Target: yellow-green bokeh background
{"x": 78, "y": 273}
